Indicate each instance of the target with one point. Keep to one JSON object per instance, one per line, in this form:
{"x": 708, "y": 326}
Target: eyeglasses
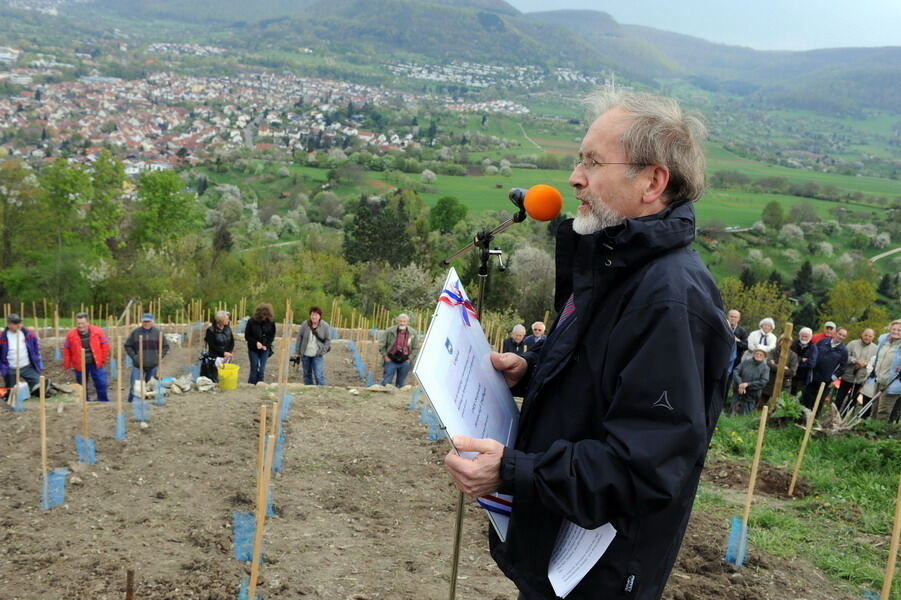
{"x": 589, "y": 163}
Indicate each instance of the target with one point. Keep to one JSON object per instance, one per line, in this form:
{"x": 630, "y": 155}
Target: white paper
{"x": 469, "y": 396}
{"x": 575, "y": 552}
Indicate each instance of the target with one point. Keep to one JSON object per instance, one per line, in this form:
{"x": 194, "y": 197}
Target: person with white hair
{"x": 516, "y": 342}
{"x": 807, "y": 359}
{"x": 536, "y": 336}
{"x": 399, "y": 348}
{"x": 762, "y": 338}
{"x": 614, "y": 425}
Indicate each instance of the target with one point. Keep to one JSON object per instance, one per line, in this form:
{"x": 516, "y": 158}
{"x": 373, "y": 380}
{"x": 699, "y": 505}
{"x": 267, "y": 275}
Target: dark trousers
{"x": 809, "y": 396}
{"x": 28, "y": 374}
{"x": 258, "y": 360}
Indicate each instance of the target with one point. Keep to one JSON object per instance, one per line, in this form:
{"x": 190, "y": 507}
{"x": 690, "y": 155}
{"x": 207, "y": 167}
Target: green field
{"x": 720, "y": 159}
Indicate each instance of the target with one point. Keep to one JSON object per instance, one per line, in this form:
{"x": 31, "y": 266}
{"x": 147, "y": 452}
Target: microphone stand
{"x": 482, "y": 241}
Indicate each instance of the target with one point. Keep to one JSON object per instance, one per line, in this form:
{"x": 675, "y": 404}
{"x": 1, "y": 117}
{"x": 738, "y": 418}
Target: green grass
{"x": 844, "y": 525}
{"x": 720, "y": 159}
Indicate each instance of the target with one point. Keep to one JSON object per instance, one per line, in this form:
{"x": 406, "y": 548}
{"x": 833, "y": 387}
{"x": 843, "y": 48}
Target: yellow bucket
{"x": 228, "y": 376}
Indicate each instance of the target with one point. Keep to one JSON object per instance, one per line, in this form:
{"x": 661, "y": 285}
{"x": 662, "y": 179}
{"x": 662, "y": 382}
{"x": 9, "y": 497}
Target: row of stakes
{"x": 53, "y": 489}
{"x": 248, "y": 527}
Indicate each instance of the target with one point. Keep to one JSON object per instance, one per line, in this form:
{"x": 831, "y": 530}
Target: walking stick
{"x": 893, "y": 549}
{"x": 810, "y": 420}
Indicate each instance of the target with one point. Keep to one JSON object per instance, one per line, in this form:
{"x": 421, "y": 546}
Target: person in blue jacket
{"x": 832, "y": 359}
{"x": 621, "y": 400}
{"x": 20, "y": 348}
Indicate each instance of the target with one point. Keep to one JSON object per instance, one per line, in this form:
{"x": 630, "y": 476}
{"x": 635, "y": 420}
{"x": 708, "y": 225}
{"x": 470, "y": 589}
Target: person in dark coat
{"x": 149, "y": 338}
{"x": 791, "y": 367}
{"x": 733, "y": 317}
{"x": 219, "y": 340}
{"x": 536, "y": 336}
{"x": 260, "y": 335}
{"x": 516, "y": 341}
{"x": 807, "y": 359}
{"x": 621, "y": 401}
{"x": 749, "y": 378}
{"x": 832, "y": 359}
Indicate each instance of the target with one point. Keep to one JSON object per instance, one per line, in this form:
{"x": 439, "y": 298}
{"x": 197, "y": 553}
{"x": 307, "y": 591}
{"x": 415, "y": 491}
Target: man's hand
{"x": 512, "y": 366}
{"x": 480, "y": 475}
{"x": 742, "y": 388}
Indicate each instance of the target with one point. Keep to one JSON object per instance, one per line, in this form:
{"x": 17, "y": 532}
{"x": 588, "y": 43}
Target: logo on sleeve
{"x": 663, "y": 401}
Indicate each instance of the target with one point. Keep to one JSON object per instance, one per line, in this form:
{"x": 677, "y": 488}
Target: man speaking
{"x": 621, "y": 401}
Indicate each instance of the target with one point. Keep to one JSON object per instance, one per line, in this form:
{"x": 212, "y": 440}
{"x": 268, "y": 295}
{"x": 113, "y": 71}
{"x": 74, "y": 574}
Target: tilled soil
{"x": 364, "y": 509}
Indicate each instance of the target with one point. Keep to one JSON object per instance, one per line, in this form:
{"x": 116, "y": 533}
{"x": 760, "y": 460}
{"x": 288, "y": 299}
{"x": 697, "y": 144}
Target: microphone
{"x": 541, "y": 202}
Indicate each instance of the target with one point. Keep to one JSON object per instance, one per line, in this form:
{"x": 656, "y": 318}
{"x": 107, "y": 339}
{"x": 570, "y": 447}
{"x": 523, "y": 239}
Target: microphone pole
{"x": 482, "y": 240}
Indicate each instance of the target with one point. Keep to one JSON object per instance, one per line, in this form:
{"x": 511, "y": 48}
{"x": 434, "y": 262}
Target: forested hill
{"x": 838, "y": 81}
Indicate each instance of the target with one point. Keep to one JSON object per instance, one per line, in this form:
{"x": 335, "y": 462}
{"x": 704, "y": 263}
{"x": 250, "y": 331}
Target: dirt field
{"x": 364, "y": 510}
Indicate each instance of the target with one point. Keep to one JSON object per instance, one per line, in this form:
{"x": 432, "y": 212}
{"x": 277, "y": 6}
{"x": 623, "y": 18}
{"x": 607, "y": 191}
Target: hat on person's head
{"x": 828, "y": 325}
{"x": 13, "y": 318}
{"x": 147, "y": 317}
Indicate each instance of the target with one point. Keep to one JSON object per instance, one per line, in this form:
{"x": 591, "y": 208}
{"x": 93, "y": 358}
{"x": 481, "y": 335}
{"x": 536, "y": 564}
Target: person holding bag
{"x": 398, "y": 350}
{"x": 313, "y": 342}
{"x": 220, "y": 342}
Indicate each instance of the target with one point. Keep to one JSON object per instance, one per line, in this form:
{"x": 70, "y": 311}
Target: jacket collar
{"x": 629, "y": 244}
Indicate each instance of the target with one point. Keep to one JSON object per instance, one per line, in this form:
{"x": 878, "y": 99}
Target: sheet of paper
{"x": 455, "y": 372}
{"x": 575, "y": 552}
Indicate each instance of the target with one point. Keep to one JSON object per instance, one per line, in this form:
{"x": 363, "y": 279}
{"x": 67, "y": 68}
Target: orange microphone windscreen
{"x": 543, "y": 202}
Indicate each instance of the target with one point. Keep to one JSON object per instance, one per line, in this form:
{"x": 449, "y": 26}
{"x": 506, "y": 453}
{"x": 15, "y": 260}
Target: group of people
{"x": 519, "y": 343}
{"x": 621, "y": 399}
{"x": 20, "y": 354}
{"x": 864, "y": 368}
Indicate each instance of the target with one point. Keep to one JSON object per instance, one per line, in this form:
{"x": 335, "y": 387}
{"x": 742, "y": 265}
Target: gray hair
{"x": 402, "y": 316}
{"x": 765, "y": 321}
{"x": 220, "y": 316}
{"x": 805, "y": 329}
{"x": 82, "y": 315}
{"x": 537, "y": 323}
{"x": 518, "y": 328}
{"x": 660, "y": 133}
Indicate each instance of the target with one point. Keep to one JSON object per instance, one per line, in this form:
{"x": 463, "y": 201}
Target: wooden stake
{"x": 43, "y": 412}
{"x": 129, "y": 584}
{"x": 159, "y": 355}
{"x": 261, "y": 517}
{"x": 810, "y": 419}
{"x": 754, "y": 466}
{"x": 784, "y": 343}
{"x": 118, "y": 375}
{"x": 84, "y": 397}
{"x": 140, "y": 366}
{"x": 261, "y": 445}
{"x": 893, "y": 549}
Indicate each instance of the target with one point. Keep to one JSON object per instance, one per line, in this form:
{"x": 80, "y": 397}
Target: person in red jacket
{"x": 96, "y": 349}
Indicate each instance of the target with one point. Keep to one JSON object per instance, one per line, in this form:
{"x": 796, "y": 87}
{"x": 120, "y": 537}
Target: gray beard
{"x": 600, "y": 216}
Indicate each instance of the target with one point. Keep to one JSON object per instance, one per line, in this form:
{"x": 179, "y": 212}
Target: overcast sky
{"x": 761, "y": 24}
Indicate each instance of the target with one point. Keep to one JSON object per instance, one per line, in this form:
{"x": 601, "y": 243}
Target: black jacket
{"x": 619, "y": 407}
{"x": 741, "y": 346}
{"x": 511, "y": 346}
{"x": 259, "y": 331}
{"x": 219, "y": 341}
{"x": 831, "y": 361}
